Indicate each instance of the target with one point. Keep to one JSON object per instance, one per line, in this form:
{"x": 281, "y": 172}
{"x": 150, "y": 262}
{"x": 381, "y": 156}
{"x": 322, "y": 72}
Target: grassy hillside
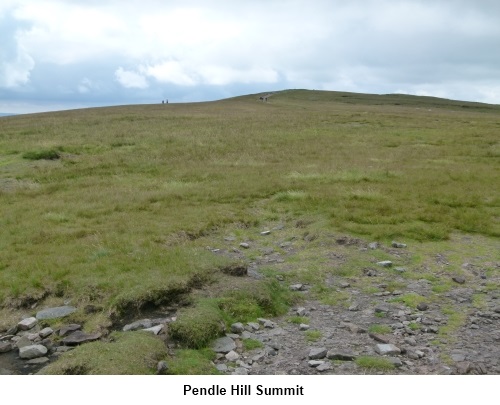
{"x": 114, "y": 206}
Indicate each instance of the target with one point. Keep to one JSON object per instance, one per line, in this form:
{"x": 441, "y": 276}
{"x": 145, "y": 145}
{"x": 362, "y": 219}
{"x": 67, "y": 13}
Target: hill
{"x": 124, "y": 210}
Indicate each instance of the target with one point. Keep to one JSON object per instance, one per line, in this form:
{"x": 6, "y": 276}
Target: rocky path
{"x": 375, "y": 329}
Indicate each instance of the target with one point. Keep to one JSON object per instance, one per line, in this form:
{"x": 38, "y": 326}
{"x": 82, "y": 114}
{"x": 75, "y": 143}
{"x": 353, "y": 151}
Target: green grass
{"x": 127, "y": 353}
{"x": 313, "y": 335}
{"x": 298, "y": 320}
{"x": 374, "y": 363}
{"x": 192, "y": 362}
{"x": 251, "y": 344}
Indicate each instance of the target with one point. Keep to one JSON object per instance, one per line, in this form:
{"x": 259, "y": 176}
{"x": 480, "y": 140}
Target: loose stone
{"x": 154, "y": 329}
{"x": 387, "y": 349}
{"x": 140, "y": 324}
{"x": 79, "y": 337}
{"x": 385, "y": 263}
{"x": 54, "y": 313}
{"x": 336, "y": 355}
{"x": 325, "y": 366}
{"x": 315, "y": 363}
{"x": 5, "y": 347}
{"x": 398, "y": 245}
{"x": 32, "y": 352}
{"x": 297, "y": 287}
{"x": 69, "y": 328}
{"x": 458, "y": 279}
{"x": 244, "y": 245}
{"x": 27, "y": 323}
{"x": 303, "y": 326}
{"x": 223, "y": 345}
{"x": 46, "y": 332}
{"x": 237, "y": 327}
{"x": 232, "y": 356}
{"x": 317, "y": 353}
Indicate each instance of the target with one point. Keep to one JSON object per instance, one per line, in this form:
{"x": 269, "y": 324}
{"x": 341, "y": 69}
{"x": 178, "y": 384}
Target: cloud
{"x": 130, "y": 79}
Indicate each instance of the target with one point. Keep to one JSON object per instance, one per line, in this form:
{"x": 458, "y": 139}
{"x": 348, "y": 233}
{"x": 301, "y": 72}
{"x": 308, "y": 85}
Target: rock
{"x": 69, "y": 328}
{"x": 244, "y": 245}
{"x": 264, "y": 233}
{"x": 422, "y": 306}
{"x": 232, "y": 356}
{"x": 355, "y": 328}
{"x": 458, "y": 357}
{"x": 385, "y": 263}
{"x": 80, "y": 337}
{"x": 27, "y": 323}
{"x": 373, "y": 245}
{"x": 154, "y": 329}
{"x": 317, "y": 353}
{"x": 38, "y": 360}
{"x": 237, "y": 327}
{"x": 12, "y": 331}
{"x": 240, "y": 371}
{"x": 396, "y": 361}
{"x": 411, "y": 341}
{"x": 32, "y": 352}
{"x": 23, "y": 342}
{"x": 54, "y": 313}
{"x": 387, "y": 349}
{"x": 344, "y": 284}
{"x": 266, "y": 323}
{"x": 161, "y": 367}
{"x": 253, "y": 326}
{"x": 140, "y": 324}
{"x": 400, "y": 269}
{"x": 297, "y": 287}
{"x": 221, "y": 367}
{"x": 5, "y": 347}
{"x": 325, "y": 366}
{"x": 464, "y": 367}
{"x": 458, "y": 279}
{"x": 480, "y": 368}
{"x": 46, "y": 332}
{"x": 398, "y": 245}
{"x": 354, "y": 307}
{"x": 336, "y": 355}
{"x": 303, "y": 326}
{"x": 223, "y": 345}
{"x": 379, "y": 338}
{"x": 382, "y": 309}
{"x": 301, "y": 311}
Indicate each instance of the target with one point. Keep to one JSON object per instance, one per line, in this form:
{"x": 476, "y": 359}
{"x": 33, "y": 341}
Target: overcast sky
{"x": 63, "y": 54}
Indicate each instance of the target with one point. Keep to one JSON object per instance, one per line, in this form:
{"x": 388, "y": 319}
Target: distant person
{"x": 162, "y": 101}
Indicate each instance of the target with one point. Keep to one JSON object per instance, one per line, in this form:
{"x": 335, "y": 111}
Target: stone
{"x": 5, "y": 347}
{"x": 27, "y": 323}
{"x": 297, "y": 287}
{"x": 301, "y": 311}
{"x": 237, "y": 327}
{"x": 254, "y": 326}
{"x": 264, "y": 233}
{"x": 244, "y": 245}
{"x": 464, "y": 367}
{"x": 240, "y": 371}
{"x": 69, "y": 328}
{"x": 140, "y": 324}
{"x": 400, "y": 269}
{"x": 373, "y": 245}
{"x": 379, "y": 338}
{"x": 315, "y": 363}
{"x": 387, "y": 349}
{"x": 396, "y": 361}
{"x": 317, "y": 353}
{"x": 398, "y": 245}
{"x": 385, "y": 263}
{"x": 303, "y": 326}
{"x": 458, "y": 357}
{"x": 232, "y": 356}
{"x": 56, "y": 312}
{"x": 337, "y": 355}
{"x": 223, "y": 345}
{"x": 79, "y": 337}
{"x": 422, "y": 306}
{"x": 411, "y": 341}
{"x": 23, "y": 342}
{"x": 154, "y": 329}
{"x": 38, "y": 360}
{"x": 45, "y": 332}
{"x": 355, "y": 328}
{"x": 325, "y": 366}
{"x": 32, "y": 352}
{"x": 458, "y": 279}
{"x": 344, "y": 284}
{"x": 161, "y": 367}
{"x": 354, "y": 307}
{"x": 221, "y": 367}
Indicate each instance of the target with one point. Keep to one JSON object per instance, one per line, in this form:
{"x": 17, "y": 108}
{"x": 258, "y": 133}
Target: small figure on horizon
{"x": 162, "y": 101}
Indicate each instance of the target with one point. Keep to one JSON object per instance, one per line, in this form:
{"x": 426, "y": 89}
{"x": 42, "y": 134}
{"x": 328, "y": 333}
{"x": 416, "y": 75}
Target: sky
{"x": 65, "y": 54}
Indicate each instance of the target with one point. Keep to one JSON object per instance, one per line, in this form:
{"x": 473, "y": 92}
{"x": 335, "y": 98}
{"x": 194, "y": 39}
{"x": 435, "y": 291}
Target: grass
{"x": 313, "y": 335}
{"x": 115, "y": 206}
{"x": 374, "y": 363}
{"x": 299, "y": 319}
{"x": 251, "y": 344}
